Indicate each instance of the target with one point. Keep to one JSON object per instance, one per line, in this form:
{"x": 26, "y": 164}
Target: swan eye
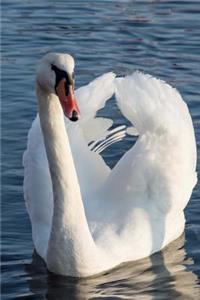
{"x": 60, "y": 74}
{"x": 66, "y": 88}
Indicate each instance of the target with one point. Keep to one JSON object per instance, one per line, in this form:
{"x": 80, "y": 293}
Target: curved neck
{"x": 61, "y": 165}
{"x": 66, "y": 249}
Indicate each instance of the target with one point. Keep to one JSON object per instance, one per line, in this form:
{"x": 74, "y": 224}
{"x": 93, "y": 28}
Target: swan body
{"x": 87, "y": 218}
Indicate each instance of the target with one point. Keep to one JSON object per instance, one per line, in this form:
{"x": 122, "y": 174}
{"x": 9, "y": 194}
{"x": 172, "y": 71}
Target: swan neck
{"x": 57, "y": 145}
{"x": 69, "y": 222}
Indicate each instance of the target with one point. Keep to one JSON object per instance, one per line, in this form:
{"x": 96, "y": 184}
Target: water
{"x": 158, "y": 37}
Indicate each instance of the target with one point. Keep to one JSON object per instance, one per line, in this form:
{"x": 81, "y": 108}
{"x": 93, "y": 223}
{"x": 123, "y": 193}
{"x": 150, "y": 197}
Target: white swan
{"x": 85, "y": 217}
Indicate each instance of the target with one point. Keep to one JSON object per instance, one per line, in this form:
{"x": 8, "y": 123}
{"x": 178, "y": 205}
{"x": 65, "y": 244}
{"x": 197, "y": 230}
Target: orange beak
{"x": 69, "y": 103}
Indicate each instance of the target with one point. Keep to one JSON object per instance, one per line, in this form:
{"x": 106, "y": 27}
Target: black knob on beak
{"x": 74, "y": 116}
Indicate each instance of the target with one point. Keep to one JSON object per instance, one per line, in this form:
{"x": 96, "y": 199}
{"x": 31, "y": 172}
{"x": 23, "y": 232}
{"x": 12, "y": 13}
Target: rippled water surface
{"x": 158, "y": 37}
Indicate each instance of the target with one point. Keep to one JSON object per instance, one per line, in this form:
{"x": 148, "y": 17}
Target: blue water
{"x": 158, "y": 37}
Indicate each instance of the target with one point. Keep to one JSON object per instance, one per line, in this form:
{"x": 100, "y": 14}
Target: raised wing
{"x": 160, "y": 168}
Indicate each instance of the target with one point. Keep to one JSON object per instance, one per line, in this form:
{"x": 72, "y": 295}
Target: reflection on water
{"x": 158, "y": 37}
{"x": 161, "y": 276}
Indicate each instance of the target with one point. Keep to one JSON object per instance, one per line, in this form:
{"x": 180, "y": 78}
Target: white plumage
{"x": 122, "y": 214}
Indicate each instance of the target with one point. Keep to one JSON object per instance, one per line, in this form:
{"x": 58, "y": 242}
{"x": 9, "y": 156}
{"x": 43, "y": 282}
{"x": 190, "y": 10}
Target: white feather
{"x": 134, "y": 209}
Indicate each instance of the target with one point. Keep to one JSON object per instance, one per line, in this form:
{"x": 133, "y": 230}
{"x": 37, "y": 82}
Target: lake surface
{"x": 159, "y": 37}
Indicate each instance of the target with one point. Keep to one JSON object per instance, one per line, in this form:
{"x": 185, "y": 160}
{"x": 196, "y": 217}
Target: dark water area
{"x": 158, "y": 37}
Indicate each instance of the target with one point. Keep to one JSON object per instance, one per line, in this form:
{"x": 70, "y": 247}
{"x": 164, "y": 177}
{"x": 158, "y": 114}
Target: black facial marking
{"x": 60, "y": 74}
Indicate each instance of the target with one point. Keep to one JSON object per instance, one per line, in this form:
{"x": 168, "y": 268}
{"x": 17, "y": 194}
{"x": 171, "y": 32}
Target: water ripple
{"x": 158, "y": 37}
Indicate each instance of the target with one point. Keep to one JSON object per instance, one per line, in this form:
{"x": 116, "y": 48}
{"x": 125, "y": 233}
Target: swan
{"x": 85, "y": 217}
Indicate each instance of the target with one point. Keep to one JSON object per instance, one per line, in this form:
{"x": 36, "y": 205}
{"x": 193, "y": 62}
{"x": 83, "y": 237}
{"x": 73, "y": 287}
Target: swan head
{"x": 55, "y": 74}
